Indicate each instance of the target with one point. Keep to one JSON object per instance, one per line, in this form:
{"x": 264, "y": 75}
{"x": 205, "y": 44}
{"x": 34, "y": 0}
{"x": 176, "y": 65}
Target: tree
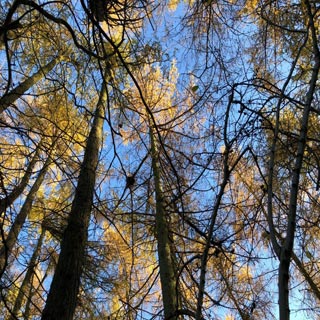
{"x": 285, "y": 248}
{"x": 25, "y": 290}
{"x": 11, "y": 239}
{"x": 18, "y": 189}
{"x": 9, "y": 98}
{"x": 191, "y": 190}
{"x": 66, "y": 280}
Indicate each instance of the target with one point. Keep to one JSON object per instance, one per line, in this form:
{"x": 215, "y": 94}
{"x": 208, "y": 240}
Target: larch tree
{"x": 151, "y": 108}
{"x": 66, "y": 280}
{"x": 26, "y": 288}
{"x": 304, "y": 46}
{"x": 184, "y": 197}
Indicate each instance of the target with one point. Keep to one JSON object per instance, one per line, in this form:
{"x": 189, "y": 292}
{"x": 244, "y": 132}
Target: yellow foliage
{"x": 158, "y": 92}
{"x": 249, "y": 7}
{"x": 173, "y": 4}
{"x": 135, "y": 264}
{"x": 229, "y": 317}
{"x": 244, "y": 273}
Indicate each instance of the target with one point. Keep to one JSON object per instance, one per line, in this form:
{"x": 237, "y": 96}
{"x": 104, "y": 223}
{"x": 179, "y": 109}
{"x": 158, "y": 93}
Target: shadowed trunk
{"x": 62, "y": 298}
{"x": 24, "y": 290}
{"x": 288, "y": 245}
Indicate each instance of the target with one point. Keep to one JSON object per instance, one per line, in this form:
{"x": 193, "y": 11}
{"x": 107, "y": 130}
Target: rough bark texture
{"x": 62, "y": 297}
{"x": 166, "y": 264}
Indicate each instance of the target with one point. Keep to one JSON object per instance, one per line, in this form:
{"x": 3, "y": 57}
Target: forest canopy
{"x": 159, "y": 159}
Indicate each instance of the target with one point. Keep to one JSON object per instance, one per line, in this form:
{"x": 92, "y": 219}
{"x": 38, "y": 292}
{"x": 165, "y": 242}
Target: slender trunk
{"x": 214, "y": 215}
{"x": 10, "y": 241}
{"x": 62, "y": 298}
{"x": 29, "y": 307}
{"x": 17, "y": 191}
{"x": 17, "y": 92}
{"x": 283, "y": 285}
{"x": 297, "y": 261}
{"x": 166, "y": 263}
{"x": 25, "y": 288}
{"x": 287, "y": 247}
{"x": 315, "y": 289}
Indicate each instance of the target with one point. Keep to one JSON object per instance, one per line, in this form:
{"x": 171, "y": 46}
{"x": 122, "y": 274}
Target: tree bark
{"x": 165, "y": 254}
{"x": 9, "y": 98}
{"x": 62, "y": 298}
{"x": 17, "y": 191}
{"x": 24, "y": 290}
{"x": 287, "y": 247}
{"x": 11, "y": 239}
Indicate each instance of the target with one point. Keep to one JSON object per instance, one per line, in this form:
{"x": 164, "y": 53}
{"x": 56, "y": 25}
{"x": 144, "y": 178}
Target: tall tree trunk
{"x": 34, "y": 290}
{"x": 17, "y": 92}
{"x": 17, "y": 191}
{"x": 11, "y": 239}
{"x": 62, "y": 298}
{"x": 297, "y": 261}
{"x": 227, "y": 169}
{"x": 287, "y": 247}
{"x": 26, "y": 286}
{"x": 166, "y": 262}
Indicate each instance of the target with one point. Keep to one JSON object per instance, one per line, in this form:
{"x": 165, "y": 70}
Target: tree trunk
{"x": 11, "y": 239}
{"x": 24, "y": 290}
{"x": 62, "y": 298}
{"x": 17, "y": 191}
{"x": 287, "y": 247}
{"x": 283, "y": 284}
{"x": 17, "y": 92}
{"x": 315, "y": 289}
{"x": 165, "y": 255}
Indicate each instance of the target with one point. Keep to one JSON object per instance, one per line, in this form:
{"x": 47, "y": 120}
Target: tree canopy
{"x": 159, "y": 159}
